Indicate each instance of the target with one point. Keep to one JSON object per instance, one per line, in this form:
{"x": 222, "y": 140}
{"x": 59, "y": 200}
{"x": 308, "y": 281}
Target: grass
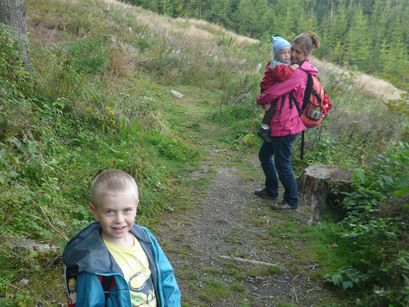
{"x": 99, "y": 97}
{"x": 214, "y": 290}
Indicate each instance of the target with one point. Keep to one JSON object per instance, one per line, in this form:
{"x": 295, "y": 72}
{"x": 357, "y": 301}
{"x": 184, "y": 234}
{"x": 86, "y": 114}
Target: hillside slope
{"x": 100, "y": 96}
{"x": 205, "y": 34}
{"x": 376, "y": 87}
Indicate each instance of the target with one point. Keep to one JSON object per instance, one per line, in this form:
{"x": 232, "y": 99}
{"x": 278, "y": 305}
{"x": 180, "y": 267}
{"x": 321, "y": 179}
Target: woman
{"x": 286, "y": 124}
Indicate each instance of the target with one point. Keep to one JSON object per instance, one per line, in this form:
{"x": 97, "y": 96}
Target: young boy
{"x": 114, "y": 262}
{"x": 277, "y": 70}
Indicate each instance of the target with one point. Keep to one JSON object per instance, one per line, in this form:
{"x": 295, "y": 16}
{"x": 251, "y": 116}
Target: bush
{"x": 16, "y": 84}
{"x": 374, "y": 236}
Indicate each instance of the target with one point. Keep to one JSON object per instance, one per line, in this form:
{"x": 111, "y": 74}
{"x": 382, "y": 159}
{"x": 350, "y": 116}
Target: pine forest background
{"x": 366, "y": 34}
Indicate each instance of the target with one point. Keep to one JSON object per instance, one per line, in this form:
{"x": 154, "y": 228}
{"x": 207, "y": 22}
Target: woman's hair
{"x": 307, "y": 41}
{"x": 112, "y": 181}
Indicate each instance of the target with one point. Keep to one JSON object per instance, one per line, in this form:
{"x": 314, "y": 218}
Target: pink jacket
{"x": 286, "y": 120}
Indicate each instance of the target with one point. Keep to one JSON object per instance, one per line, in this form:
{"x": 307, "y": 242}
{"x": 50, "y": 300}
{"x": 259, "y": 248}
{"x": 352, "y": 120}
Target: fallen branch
{"x": 295, "y": 295}
{"x": 313, "y": 289}
{"x": 247, "y": 260}
{"x": 51, "y": 224}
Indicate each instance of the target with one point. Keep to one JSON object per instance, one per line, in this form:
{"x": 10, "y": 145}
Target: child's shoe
{"x": 264, "y": 134}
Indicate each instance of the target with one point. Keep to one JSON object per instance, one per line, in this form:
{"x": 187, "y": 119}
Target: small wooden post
{"x": 315, "y": 184}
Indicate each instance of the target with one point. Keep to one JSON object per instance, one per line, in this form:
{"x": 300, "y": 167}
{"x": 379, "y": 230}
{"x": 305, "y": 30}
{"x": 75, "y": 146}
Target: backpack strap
{"x": 308, "y": 91}
{"x": 273, "y": 106}
{"x": 302, "y": 145}
{"x": 294, "y": 101}
{"x": 307, "y": 95}
{"x": 107, "y": 283}
{"x": 70, "y": 283}
{"x": 71, "y": 273}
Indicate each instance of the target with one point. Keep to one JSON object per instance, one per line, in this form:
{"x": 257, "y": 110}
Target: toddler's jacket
{"x": 286, "y": 120}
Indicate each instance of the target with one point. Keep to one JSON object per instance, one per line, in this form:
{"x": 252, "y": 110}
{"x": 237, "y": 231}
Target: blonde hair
{"x": 114, "y": 181}
{"x": 307, "y": 41}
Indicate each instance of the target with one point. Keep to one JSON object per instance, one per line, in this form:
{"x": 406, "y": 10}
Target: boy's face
{"x": 284, "y": 55}
{"x": 116, "y": 212}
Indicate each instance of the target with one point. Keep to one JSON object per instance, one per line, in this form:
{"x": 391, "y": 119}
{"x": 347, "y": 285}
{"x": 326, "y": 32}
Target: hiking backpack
{"x": 315, "y": 107}
{"x": 316, "y": 103}
{"x": 70, "y": 276}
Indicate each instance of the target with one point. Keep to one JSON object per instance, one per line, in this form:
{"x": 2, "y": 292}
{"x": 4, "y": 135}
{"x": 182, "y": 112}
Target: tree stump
{"x": 316, "y": 184}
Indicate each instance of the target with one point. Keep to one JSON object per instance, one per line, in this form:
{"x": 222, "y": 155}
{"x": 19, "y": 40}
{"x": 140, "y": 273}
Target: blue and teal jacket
{"x": 87, "y": 256}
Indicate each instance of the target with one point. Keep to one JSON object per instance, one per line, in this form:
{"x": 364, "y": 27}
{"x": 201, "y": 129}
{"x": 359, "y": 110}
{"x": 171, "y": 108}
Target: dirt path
{"x": 218, "y": 216}
{"x": 230, "y": 221}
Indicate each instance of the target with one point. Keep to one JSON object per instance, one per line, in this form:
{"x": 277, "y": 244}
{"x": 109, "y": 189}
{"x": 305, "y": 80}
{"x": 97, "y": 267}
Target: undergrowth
{"x": 368, "y": 255}
{"x": 58, "y": 130}
{"x": 375, "y": 231}
{"x": 96, "y": 98}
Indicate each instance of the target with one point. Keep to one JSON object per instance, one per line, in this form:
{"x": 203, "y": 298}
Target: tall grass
{"x": 98, "y": 97}
{"x": 94, "y": 100}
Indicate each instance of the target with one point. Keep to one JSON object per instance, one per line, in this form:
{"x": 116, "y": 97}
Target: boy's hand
{"x": 294, "y": 66}
{"x": 266, "y": 107}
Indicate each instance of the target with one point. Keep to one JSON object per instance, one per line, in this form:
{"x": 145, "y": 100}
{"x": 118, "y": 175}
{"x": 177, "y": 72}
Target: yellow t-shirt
{"x": 135, "y": 266}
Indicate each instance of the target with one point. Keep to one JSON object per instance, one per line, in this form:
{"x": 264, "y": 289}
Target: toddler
{"x": 277, "y": 70}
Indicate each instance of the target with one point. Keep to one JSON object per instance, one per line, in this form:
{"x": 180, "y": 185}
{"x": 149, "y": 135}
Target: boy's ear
{"x": 93, "y": 210}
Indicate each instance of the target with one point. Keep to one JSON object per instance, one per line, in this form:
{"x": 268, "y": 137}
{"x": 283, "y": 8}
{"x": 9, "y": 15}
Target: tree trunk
{"x": 316, "y": 184}
{"x": 12, "y": 15}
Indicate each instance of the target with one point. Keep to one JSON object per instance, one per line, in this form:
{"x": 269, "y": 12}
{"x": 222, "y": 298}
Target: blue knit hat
{"x": 278, "y": 44}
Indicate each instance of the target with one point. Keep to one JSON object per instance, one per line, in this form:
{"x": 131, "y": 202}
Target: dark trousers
{"x": 279, "y": 149}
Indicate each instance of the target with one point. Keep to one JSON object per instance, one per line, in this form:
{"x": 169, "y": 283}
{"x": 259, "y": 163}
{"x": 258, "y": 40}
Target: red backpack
{"x": 70, "y": 278}
{"x": 315, "y": 107}
{"x": 316, "y": 103}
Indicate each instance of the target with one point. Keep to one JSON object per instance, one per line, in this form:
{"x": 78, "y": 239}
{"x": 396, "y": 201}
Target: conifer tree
{"x": 397, "y": 53}
{"x": 338, "y": 34}
{"x": 218, "y": 12}
{"x": 252, "y": 16}
{"x": 147, "y": 4}
{"x": 379, "y": 20}
{"x": 246, "y": 16}
{"x": 312, "y": 23}
{"x": 383, "y": 57}
{"x": 288, "y": 18}
{"x": 327, "y": 40}
{"x": 358, "y": 40}
{"x": 299, "y": 17}
{"x": 358, "y": 32}
{"x": 405, "y": 25}
{"x": 203, "y": 7}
